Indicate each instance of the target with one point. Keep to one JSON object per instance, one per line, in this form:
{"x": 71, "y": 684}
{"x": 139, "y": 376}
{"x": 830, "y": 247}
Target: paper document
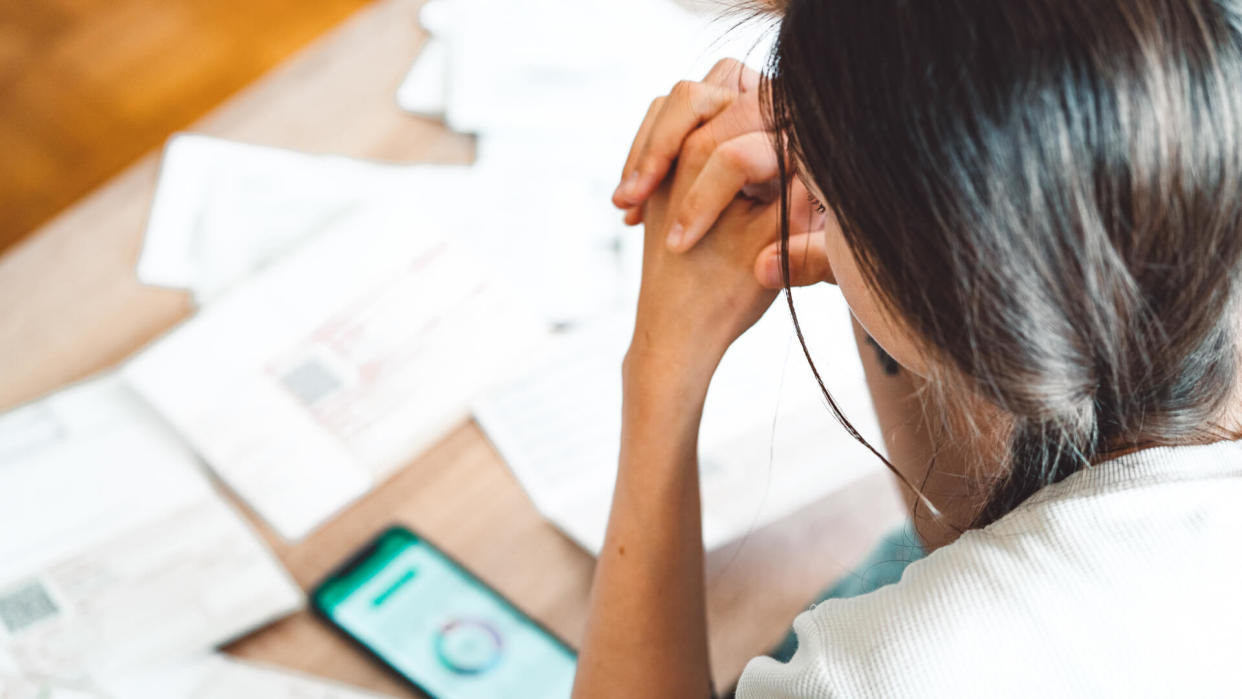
{"x": 768, "y": 443}
{"x": 117, "y": 552}
{"x": 313, "y": 381}
{"x": 424, "y": 88}
{"x": 555, "y": 91}
{"x": 555, "y": 237}
{"x": 223, "y": 208}
{"x": 563, "y": 75}
{"x": 219, "y": 676}
{"x": 571, "y": 65}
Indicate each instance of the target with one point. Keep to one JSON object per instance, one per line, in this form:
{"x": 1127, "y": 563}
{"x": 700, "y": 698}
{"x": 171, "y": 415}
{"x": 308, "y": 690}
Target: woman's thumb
{"x": 808, "y": 262}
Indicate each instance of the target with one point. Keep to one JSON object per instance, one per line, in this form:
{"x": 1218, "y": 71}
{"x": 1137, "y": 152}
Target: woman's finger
{"x": 636, "y": 148}
{"x": 808, "y": 262}
{"x": 741, "y": 116}
{"x": 745, "y": 160}
{"x": 732, "y": 73}
{"x": 728, "y": 73}
{"x": 688, "y": 106}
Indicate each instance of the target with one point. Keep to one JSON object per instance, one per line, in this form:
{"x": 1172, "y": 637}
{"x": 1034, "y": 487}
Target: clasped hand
{"x": 703, "y": 177}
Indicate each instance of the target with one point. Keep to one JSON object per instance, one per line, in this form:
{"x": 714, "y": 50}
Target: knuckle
{"x": 732, "y": 155}
{"x": 714, "y": 99}
{"x": 683, "y": 89}
{"x": 725, "y": 67}
{"x": 652, "y": 162}
{"x": 725, "y": 71}
{"x": 748, "y": 76}
{"x": 699, "y": 145}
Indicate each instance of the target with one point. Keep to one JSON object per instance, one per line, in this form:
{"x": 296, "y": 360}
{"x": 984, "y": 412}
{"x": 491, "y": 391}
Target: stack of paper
{"x": 119, "y": 552}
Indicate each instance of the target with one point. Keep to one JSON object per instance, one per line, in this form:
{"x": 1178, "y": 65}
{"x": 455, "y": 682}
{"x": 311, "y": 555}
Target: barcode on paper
{"x": 26, "y": 605}
{"x": 310, "y": 381}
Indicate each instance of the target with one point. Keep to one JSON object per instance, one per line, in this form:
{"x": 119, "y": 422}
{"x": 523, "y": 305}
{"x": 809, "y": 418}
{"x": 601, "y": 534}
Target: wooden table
{"x": 72, "y": 306}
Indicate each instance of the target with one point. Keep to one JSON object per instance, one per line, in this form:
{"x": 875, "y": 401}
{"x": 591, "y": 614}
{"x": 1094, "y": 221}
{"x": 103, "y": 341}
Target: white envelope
{"x": 223, "y": 209}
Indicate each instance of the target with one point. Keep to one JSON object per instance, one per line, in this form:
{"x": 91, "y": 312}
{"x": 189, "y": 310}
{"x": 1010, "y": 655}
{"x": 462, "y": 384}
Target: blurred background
{"x": 276, "y": 277}
{"x": 88, "y": 86}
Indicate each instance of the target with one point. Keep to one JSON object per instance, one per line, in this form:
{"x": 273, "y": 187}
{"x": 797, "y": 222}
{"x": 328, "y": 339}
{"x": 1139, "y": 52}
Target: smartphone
{"x": 431, "y": 621}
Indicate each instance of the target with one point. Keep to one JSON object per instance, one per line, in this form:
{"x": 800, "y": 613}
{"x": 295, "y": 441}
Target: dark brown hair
{"x": 1047, "y": 192}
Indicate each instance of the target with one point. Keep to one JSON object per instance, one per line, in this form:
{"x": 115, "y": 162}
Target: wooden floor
{"x": 88, "y": 86}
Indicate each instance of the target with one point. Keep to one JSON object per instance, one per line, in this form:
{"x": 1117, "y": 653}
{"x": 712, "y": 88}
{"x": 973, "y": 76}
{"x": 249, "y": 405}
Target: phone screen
{"x": 441, "y": 627}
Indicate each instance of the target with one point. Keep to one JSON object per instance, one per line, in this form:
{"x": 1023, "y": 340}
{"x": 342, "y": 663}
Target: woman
{"x": 1035, "y": 208}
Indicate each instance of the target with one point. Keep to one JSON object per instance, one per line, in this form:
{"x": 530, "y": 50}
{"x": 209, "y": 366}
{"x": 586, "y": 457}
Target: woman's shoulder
{"x": 1068, "y": 594}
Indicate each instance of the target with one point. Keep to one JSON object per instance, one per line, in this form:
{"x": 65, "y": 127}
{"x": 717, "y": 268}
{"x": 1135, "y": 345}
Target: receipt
{"x": 118, "y": 552}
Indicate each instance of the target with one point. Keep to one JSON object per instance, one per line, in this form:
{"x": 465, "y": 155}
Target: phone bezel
{"x": 363, "y": 554}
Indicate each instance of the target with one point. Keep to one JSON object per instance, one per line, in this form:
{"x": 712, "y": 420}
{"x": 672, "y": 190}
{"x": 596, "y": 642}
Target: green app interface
{"x": 442, "y": 628}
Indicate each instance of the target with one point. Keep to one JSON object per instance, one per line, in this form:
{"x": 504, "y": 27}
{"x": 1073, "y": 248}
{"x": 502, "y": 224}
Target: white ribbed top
{"x": 1123, "y": 580}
